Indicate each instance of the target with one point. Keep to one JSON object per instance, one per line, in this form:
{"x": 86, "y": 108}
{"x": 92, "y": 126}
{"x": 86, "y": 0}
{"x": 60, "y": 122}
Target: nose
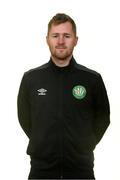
{"x": 61, "y": 40}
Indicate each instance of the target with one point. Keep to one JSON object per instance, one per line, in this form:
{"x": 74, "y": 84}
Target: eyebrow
{"x": 61, "y": 33}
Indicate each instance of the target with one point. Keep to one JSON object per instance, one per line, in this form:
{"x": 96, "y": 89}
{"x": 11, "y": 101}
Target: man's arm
{"x": 24, "y": 106}
{"x": 101, "y": 109}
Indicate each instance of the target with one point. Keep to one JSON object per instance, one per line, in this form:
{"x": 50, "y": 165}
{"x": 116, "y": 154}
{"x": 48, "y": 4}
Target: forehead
{"x": 62, "y": 28}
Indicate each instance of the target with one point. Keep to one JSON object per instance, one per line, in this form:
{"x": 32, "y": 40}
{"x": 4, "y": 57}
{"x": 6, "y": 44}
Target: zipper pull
{"x": 61, "y": 177}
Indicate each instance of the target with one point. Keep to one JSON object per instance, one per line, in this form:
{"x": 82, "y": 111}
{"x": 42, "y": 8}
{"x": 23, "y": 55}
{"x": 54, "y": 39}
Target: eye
{"x": 67, "y": 35}
{"x": 54, "y": 35}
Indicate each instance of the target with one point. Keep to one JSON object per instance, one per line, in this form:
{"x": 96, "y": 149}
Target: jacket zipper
{"x": 60, "y": 116}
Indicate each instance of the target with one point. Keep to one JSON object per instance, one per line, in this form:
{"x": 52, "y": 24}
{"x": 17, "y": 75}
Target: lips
{"x": 60, "y": 47}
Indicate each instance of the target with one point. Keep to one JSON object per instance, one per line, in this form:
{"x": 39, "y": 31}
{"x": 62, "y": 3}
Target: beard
{"x": 61, "y": 53}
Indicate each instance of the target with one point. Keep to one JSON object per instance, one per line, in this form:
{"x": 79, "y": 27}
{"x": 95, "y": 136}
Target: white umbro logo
{"x": 42, "y": 92}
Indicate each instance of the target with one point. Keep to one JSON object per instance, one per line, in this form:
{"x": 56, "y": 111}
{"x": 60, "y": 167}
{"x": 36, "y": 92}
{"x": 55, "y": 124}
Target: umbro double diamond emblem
{"x": 42, "y": 92}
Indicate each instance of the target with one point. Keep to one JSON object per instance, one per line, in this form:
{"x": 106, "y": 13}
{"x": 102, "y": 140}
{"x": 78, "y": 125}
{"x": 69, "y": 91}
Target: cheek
{"x": 72, "y": 45}
{"x": 73, "y": 42}
{"x": 52, "y": 44}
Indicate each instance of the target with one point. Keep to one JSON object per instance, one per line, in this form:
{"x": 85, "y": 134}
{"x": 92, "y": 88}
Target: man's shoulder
{"x": 37, "y": 69}
{"x": 87, "y": 70}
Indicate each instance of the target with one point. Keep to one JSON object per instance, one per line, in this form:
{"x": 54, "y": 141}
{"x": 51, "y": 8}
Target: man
{"x": 63, "y": 108}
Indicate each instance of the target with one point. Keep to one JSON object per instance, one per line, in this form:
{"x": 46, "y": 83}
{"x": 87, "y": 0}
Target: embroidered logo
{"x": 42, "y": 92}
{"x": 79, "y": 92}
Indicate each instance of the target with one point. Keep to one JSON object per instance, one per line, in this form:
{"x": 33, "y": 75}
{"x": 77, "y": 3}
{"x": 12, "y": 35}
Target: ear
{"x": 76, "y": 40}
{"x": 47, "y": 40}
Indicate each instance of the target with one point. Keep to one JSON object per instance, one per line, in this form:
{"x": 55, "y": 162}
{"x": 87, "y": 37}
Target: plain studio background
{"x": 23, "y": 28}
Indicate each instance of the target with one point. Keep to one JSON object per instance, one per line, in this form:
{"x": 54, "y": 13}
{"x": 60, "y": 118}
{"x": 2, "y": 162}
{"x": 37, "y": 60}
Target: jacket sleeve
{"x": 101, "y": 109}
{"x": 23, "y": 106}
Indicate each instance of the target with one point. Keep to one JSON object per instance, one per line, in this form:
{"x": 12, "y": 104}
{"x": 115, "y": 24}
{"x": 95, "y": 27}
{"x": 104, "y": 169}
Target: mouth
{"x": 60, "y": 47}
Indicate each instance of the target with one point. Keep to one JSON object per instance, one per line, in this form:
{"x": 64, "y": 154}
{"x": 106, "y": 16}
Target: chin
{"x": 62, "y": 58}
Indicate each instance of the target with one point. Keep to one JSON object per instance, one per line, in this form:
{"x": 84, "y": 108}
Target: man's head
{"x": 59, "y": 19}
{"x": 61, "y": 37}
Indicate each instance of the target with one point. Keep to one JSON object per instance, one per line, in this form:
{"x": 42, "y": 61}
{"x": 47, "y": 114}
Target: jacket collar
{"x": 67, "y": 68}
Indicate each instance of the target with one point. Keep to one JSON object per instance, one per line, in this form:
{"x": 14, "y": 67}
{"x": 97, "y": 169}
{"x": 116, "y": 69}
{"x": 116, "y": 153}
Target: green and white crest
{"x": 79, "y": 92}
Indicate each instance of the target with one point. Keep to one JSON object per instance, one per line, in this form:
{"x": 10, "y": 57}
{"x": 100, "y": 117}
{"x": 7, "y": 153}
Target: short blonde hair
{"x": 61, "y": 18}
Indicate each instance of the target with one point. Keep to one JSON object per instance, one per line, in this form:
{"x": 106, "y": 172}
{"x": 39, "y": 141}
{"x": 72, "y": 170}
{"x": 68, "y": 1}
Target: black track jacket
{"x": 65, "y": 112}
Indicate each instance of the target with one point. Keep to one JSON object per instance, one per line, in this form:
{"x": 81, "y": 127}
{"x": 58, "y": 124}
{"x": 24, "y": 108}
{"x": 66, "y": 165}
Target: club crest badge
{"x": 79, "y": 92}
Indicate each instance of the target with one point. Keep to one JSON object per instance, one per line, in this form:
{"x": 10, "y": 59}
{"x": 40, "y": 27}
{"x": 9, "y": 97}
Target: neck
{"x": 61, "y": 62}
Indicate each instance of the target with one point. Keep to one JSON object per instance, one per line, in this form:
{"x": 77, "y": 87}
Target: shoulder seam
{"x": 44, "y": 66}
{"x": 84, "y": 68}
